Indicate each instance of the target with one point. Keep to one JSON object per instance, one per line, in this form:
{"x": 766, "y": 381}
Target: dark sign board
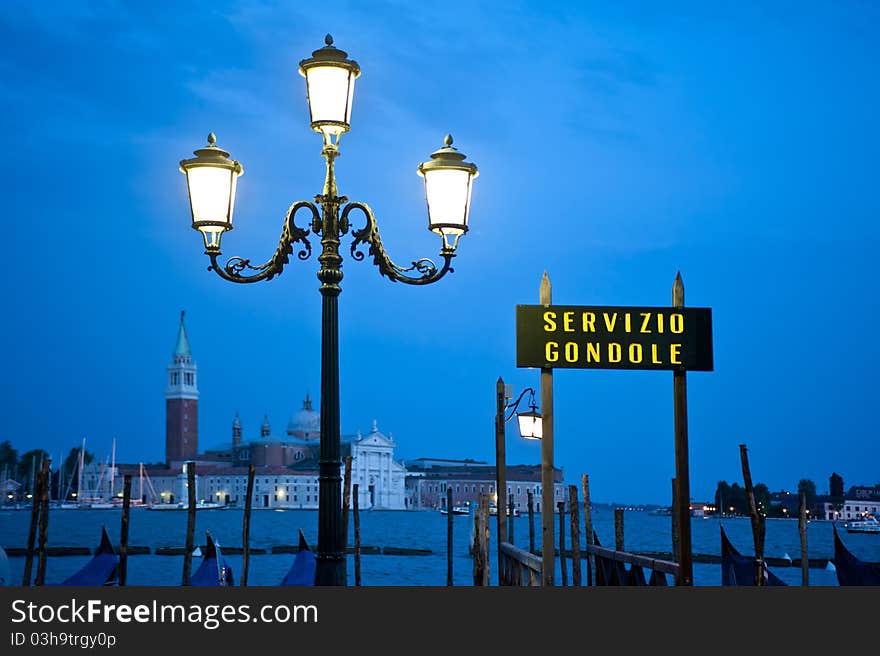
{"x": 593, "y": 337}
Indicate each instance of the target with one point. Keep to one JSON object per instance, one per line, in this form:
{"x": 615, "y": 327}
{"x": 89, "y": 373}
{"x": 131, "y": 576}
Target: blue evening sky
{"x": 617, "y": 144}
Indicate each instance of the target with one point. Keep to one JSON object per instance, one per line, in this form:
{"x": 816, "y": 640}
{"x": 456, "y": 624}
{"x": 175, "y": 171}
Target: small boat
{"x": 102, "y": 569}
{"x": 457, "y": 510}
{"x": 493, "y": 510}
{"x": 867, "y": 525}
{"x": 850, "y": 570}
{"x": 183, "y": 506}
{"x": 213, "y": 570}
{"x": 737, "y": 569}
{"x": 302, "y": 572}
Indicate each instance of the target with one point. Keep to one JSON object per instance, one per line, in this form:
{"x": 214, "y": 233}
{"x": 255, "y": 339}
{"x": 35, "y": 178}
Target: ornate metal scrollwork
{"x": 369, "y": 234}
{"x": 290, "y": 235}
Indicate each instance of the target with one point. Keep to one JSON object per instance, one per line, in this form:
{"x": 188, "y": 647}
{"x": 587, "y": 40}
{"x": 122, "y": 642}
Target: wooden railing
{"x": 611, "y": 568}
{"x": 518, "y": 567}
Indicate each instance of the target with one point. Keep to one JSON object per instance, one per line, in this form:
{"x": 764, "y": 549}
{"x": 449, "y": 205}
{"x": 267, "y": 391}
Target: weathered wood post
{"x": 500, "y": 469}
{"x": 32, "y": 532}
{"x": 575, "y": 536}
{"x": 511, "y": 509}
{"x": 484, "y": 526}
{"x": 676, "y": 547}
{"x": 476, "y": 547}
{"x": 618, "y": 529}
{"x": 562, "y": 565}
{"x": 757, "y": 518}
{"x": 531, "y": 503}
{"x": 449, "y": 518}
{"x": 246, "y": 526}
{"x": 682, "y": 473}
{"x": 190, "y": 519}
{"x": 357, "y": 534}
{"x": 802, "y": 529}
{"x": 588, "y": 525}
{"x": 547, "y": 502}
{"x": 346, "y": 501}
{"x": 123, "y": 536}
{"x": 44, "y": 523}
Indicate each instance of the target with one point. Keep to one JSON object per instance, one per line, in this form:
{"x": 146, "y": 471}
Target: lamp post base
{"x": 330, "y": 570}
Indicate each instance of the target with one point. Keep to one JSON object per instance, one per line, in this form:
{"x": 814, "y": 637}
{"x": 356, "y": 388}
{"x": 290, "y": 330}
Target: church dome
{"x": 306, "y": 423}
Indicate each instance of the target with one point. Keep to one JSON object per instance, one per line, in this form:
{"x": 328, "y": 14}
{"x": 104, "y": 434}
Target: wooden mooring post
{"x": 562, "y": 564}
{"x": 123, "y": 533}
{"x": 44, "y": 523}
{"x": 531, "y": 503}
{"x": 511, "y": 509}
{"x": 476, "y": 547}
{"x": 246, "y": 526}
{"x": 682, "y": 473}
{"x": 757, "y": 518}
{"x": 484, "y": 527}
{"x": 500, "y": 469}
{"x": 618, "y": 529}
{"x": 356, "y": 516}
{"x": 588, "y": 525}
{"x": 449, "y": 547}
{"x": 190, "y": 519}
{"x": 346, "y": 501}
{"x": 32, "y": 532}
{"x": 575, "y": 536}
{"x": 676, "y": 549}
{"x": 547, "y": 477}
{"x": 802, "y": 529}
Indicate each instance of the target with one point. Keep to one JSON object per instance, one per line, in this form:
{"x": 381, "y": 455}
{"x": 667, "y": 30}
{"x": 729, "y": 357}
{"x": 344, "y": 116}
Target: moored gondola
{"x": 850, "y": 569}
{"x": 302, "y": 572}
{"x": 214, "y": 570}
{"x": 737, "y": 569}
{"x": 102, "y": 569}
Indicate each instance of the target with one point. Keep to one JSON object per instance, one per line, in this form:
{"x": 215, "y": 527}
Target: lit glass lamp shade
{"x": 330, "y": 77}
{"x": 531, "y": 425}
{"x": 211, "y": 180}
{"x": 448, "y": 182}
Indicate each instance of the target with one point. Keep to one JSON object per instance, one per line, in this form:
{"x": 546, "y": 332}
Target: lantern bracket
{"x": 369, "y": 234}
{"x": 513, "y": 406}
{"x": 290, "y": 235}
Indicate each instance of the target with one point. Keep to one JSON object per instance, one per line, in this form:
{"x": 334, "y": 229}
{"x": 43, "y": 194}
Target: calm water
{"x": 414, "y": 529}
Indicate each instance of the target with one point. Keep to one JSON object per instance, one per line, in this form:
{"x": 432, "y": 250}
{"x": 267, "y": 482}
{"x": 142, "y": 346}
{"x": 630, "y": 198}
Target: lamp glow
{"x": 530, "y": 424}
{"x": 211, "y": 179}
{"x": 330, "y": 77}
{"x": 448, "y": 183}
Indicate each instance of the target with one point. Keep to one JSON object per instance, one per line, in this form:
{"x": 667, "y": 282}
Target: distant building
{"x": 427, "y": 480}
{"x": 852, "y": 509}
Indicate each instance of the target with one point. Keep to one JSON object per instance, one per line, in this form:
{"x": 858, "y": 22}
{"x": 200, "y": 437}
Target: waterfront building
{"x": 852, "y": 509}
{"x": 427, "y": 480}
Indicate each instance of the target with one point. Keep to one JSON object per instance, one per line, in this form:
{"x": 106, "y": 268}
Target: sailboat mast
{"x": 113, "y": 470}
{"x": 79, "y": 474}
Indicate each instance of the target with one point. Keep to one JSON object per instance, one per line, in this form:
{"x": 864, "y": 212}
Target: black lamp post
{"x": 211, "y": 180}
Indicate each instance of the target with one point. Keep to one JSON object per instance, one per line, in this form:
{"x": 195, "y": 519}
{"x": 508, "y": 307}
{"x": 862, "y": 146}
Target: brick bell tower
{"x": 181, "y": 404}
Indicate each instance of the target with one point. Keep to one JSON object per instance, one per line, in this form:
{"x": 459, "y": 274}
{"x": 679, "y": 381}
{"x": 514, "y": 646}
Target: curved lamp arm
{"x": 290, "y": 235}
{"x": 369, "y": 234}
{"x": 515, "y": 405}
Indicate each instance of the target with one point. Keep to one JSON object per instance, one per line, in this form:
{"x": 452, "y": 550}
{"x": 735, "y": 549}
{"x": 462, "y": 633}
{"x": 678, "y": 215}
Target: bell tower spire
{"x": 181, "y": 402}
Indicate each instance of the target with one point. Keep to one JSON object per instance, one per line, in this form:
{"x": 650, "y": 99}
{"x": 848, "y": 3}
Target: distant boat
{"x": 463, "y": 509}
{"x": 302, "y": 572}
{"x": 850, "y": 570}
{"x": 737, "y": 569}
{"x": 867, "y": 525}
{"x": 183, "y": 506}
{"x": 493, "y": 510}
{"x": 213, "y": 570}
{"x": 102, "y": 569}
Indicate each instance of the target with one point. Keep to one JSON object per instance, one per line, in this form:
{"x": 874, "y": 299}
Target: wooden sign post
{"x": 547, "y": 543}
{"x": 676, "y": 339}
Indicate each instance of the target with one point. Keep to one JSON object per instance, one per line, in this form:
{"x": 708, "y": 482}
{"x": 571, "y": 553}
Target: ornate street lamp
{"x": 211, "y": 181}
{"x": 530, "y": 422}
